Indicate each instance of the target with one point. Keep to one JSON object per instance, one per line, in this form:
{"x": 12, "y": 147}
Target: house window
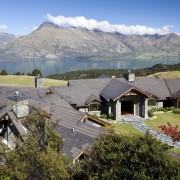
{"x": 94, "y": 107}
{"x": 151, "y": 102}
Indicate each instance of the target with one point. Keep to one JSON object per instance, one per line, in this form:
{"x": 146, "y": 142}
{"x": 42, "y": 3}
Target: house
{"x": 73, "y": 107}
{"x": 78, "y": 129}
{"x": 120, "y": 96}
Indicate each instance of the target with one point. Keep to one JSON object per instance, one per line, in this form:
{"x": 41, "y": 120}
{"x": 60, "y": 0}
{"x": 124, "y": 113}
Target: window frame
{"x": 97, "y": 108}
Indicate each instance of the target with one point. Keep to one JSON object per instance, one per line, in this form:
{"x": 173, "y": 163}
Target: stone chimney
{"x": 130, "y": 76}
{"x": 18, "y": 102}
{"x": 38, "y": 81}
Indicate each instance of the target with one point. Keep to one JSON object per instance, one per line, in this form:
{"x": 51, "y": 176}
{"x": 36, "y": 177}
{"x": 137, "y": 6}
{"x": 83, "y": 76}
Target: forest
{"x": 95, "y": 73}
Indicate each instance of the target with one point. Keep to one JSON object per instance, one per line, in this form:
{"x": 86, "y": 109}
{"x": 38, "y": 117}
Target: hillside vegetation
{"x": 95, "y": 73}
{"x": 23, "y": 80}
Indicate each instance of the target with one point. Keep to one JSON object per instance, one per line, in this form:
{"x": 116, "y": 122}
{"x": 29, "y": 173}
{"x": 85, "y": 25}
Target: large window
{"x": 151, "y": 102}
{"x": 94, "y": 107}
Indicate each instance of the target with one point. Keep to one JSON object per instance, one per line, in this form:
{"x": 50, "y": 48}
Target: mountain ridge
{"x": 50, "y": 41}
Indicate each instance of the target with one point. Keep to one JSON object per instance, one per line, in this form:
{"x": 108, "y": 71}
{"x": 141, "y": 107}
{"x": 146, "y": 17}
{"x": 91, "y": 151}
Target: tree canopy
{"x": 39, "y": 156}
{"x": 111, "y": 156}
{"x": 36, "y": 72}
{"x": 121, "y": 157}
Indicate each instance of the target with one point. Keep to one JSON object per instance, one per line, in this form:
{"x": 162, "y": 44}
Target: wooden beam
{"x": 103, "y": 123}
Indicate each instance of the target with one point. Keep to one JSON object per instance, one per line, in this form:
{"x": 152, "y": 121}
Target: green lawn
{"x": 126, "y": 129}
{"x": 23, "y": 80}
{"x": 162, "y": 119}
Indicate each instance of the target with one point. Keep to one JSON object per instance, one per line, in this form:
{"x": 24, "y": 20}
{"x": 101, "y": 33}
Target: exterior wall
{"x": 38, "y": 82}
{"x": 145, "y": 115}
{"x": 140, "y": 106}
{"x": 110, "y": 109}
{"x": 20, "y": 108}
{"x": 97, "y": 113}
{"x": 83, "y": 109}
{"x": 176, "y": 103}
{"x": 159, "y": 104}
{"x": 10, "y": 134}
{"x": 118, "y": 110}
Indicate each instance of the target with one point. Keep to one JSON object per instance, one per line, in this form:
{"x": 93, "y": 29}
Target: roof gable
{"x": 92, "y": 98}
{"x": 117, "y": 88}
{"x": 114, "y": 89}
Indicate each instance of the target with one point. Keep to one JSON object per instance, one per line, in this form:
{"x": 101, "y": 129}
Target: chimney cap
{"x": 16, "y": 95}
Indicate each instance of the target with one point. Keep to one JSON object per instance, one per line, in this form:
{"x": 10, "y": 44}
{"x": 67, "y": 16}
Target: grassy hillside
{"x": 23, "y": 80}
{"x": 167, "y": 75}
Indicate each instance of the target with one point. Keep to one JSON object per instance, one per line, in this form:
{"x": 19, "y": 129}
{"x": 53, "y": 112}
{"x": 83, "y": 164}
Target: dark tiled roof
{"x": 17, "y": 124}
{"x": 78, "y": 91}
{"x": 115, "y": 88}
{"x": 33, "y": 93}
{"x": 176, "y": 95}
{"x": 173, "y": 85}
{"x": 92, "y": 98}
{"x": 155, "y": 86}
{"x": 3, "y": 111}
{"x": 67, "y": 120}
{"x": 74, "y": 142}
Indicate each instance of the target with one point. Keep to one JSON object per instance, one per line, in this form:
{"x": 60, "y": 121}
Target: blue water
{"x": 61, "y": 66}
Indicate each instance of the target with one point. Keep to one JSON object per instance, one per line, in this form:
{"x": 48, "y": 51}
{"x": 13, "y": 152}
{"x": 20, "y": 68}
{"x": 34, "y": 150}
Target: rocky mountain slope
{"x": 50, "y": 41}
{"x": 6, "y": 38}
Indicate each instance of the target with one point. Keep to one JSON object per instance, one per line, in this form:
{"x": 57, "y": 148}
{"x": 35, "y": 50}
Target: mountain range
{"x": 51, "y": 41}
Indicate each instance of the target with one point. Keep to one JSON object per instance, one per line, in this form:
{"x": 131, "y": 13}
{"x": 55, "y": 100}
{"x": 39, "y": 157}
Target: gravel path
{"x": 138, "y": 123}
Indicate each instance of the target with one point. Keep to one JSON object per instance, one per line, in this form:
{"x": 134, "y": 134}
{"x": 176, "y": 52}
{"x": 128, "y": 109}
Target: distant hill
{"x": 51, "y": 41}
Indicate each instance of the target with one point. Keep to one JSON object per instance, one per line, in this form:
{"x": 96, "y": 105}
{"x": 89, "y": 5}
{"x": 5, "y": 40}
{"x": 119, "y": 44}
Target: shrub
{"x": 172, "y": 108}
{"x": 4, "y": 72}
{"x": 176, "y": 111}
{"x": 162, "y": 109}
{"x": 150, "y": 113}
{"x": 120, "y": 157}
{"x": 103, "y": 116}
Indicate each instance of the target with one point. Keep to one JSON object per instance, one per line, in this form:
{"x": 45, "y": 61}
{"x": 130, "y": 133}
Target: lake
{"x": 65, "y": 65}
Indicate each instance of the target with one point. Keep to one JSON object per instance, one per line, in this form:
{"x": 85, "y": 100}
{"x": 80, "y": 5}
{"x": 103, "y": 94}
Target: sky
{"x": 21, "y": 17}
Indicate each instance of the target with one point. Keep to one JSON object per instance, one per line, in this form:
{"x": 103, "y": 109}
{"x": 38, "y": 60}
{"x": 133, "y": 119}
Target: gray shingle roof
{"x": 33, "y": 93}
{"x": 155, "y": 86}
{"x": 78, "y": 91}
{"x": 92, "y": 98}
{"x": 68, "y": 119}
{"x": 173, "y": 85}
{"x": 17, "y": 124}
{"x": 176, "y": 95}
{"x": 74, "y": 142}
{"x": 115, "y": 88}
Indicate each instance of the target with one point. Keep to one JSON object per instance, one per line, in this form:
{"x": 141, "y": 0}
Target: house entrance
{"x": 127, "y": 107}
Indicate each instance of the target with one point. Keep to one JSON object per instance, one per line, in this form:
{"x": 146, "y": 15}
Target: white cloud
{"x": 3, "y": 27}
{"x": 80, "y": 21}
{"x": 35, "y": 27}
